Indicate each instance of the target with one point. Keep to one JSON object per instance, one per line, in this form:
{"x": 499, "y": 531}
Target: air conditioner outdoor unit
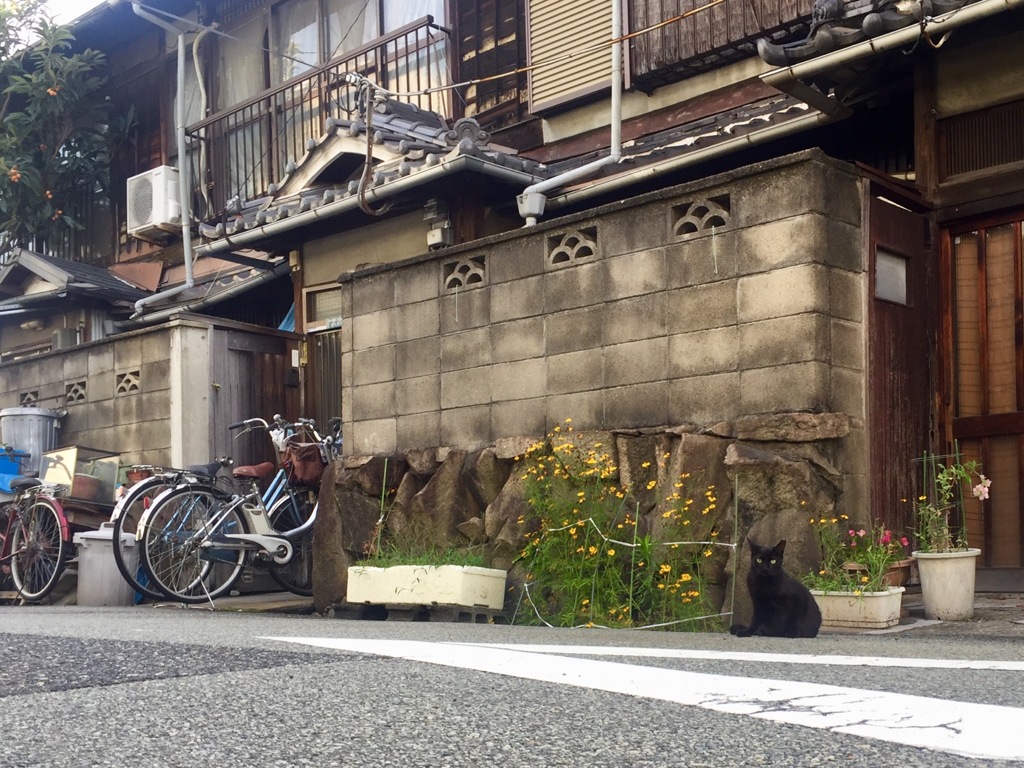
{"x": 154, "y": 209}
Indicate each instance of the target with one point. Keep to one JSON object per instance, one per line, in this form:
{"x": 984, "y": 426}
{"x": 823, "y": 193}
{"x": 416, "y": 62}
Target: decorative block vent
{"x": 75, "y": 392}
{"x": 127, "y": 383}
{"x": 28, "y": 399}
{"x": 572, "y": 247}
{"x": 700, "y": 217}
{"x": 466, "y": 273}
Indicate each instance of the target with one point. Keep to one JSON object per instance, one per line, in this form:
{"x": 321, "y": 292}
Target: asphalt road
{"x": 186, "y": 687}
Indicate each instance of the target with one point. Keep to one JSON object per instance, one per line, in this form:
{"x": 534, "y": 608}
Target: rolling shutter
{"x": 559, "y": 28}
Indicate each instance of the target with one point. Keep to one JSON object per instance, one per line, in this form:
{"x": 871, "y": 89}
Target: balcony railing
{"x": 238, "y": 153}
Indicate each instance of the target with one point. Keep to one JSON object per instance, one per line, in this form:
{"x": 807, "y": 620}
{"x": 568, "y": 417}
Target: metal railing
{"x": 239, "y": 152}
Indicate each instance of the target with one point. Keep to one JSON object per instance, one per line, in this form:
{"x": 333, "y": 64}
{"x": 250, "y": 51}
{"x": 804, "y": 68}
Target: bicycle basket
{"x": 303, "y": 463}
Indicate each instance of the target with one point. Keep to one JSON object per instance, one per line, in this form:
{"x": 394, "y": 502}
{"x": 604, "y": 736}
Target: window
{"x": 890, "y": 277}
{"x": 240, "y": 64}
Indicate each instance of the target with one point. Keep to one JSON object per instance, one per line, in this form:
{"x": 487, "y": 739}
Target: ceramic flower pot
{"x": 947, "y": 583}
{"x": 868, "y": 610}
{"x": 427, "y": 585}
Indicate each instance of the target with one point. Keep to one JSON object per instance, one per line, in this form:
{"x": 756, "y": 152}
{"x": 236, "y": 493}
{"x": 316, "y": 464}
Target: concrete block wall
{"x": 741, "y": 294}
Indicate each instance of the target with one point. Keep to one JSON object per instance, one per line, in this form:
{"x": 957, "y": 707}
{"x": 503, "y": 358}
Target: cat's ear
{"x": 780, "y": 548}
{"x": 754, "y": 546}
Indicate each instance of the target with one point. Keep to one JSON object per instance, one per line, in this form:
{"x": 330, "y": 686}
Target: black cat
{"x": 783, "y": 607}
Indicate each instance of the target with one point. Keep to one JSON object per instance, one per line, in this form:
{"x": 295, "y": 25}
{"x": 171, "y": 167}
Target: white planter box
{"x": 868, "y": 610}
{"x": 427, "y": 585}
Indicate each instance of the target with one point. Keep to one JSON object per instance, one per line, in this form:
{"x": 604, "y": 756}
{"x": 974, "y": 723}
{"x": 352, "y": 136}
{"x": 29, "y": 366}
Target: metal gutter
{"x": 601, "y": 186}
{"x": 382, "y": 192}
{"x": 791, "y": 79}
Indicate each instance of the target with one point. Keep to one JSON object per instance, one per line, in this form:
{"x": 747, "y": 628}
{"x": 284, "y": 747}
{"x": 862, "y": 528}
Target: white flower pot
{"x": 868, "y": 610}
{"x": 427, "y": 585}
{"x": 947, "y": 583}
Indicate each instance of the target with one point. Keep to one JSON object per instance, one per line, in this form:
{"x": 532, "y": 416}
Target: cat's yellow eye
{"x": 757, "y": 560}
{"x": 772, "y": 561}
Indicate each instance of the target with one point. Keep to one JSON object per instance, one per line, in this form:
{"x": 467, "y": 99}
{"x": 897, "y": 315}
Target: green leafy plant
{"x": 854, "y": 560}
{"x": 55, "y": 135}
{"x": 938, "y": 512}
{"x": 590, "y": 561}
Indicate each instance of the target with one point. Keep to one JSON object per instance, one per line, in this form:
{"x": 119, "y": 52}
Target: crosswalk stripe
{"x": 962, "y": 728}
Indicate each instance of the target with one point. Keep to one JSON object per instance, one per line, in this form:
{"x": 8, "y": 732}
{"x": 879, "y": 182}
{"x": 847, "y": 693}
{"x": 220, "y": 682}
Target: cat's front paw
{"x": 740, "y": 631}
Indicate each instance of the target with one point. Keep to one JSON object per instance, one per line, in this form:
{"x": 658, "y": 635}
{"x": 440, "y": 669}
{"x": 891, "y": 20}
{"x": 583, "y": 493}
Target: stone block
{"x": 798, "y": 427}
{"x": 416, "y": 283}
{"x": 586, "y": 409}
{"x": 573, "y": 330}
{"x": 634, "y": 229}
{"x": 517, "y": 259}
{"x": 796, "y": 387}
{"x": 782, "y": 340}
{"x": 847, "y": 345}
{"x": 375, "y": 329}
{"x": 634, "y": 274}
{"x": 517, "y": 339}
{"x": 781, "y": 192}
{"x": 637, "y": 405}
{"x": 373, "y": 401}
{"x": 577, "y": 285}
{"x": 468, "y": 428}
{"x": 783, "y": 242}
{"x": 849, "y": 392}
{"x": 101, "y": 386}
{"x": 128, "y": 353}
{"x": 715, "y": 350}
{"x": 128, "y": 409}
{"x": 846, "y": 247}
{"x": 575, "y": 372}
{"x": 370, "y": 366}
{"x": 520, "y": 380}
{"x": 634, "y": 362}
{"x": 418, "y": 395}
{"x": 641, "y": 317}
{"x": 847, "y": 292}
{"x": 787, "y": 291}
{"x": 154, "y": 376}
{"x": 375, "y": 436}
{"x": 101, "y": 358}
{"x": 522, "y": 298}
{"x": 373, "y": 293}
{"x": 417, "y": 321}
{"x": 704, "y": 399}
{"x": 466, "y": 349}
{"x": 464, "y": 309}
{"x": 700, "y": 307}
{"x": 419, "y": 430}
{"x": 517, "y": 417}
{"x": 465, "y": 387}
{"x": 418, "y": 358}
{"x": 155, "y": 346}
{"x": 844, "y": 197}
{"x": 346, "y": 369}
{"x": 702, "y": 260}
{"x": 101, "y": 415}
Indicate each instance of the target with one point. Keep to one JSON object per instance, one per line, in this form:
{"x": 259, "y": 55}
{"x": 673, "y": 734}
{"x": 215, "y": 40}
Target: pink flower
{"x": 862, "y": 532}
{"x": 905, "y": 541}
{"x": 980, "y": 491}
{"x": 886, "y": 538}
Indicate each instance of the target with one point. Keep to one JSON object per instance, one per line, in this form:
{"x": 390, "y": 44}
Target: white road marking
{"x": 962, "y": 728}
{"x": 764, "y": 658}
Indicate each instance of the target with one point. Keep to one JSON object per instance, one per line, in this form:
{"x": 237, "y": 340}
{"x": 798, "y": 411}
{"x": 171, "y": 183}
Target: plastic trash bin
{"x": 99, "y": 581}
{"x": 33, "y": 430}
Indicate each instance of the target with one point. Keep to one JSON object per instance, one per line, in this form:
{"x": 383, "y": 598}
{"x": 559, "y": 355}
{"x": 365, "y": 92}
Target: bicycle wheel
{"x": 126, "y": 517}
{"x": 174, "y": 530}
{"x": 289, "y": 512}
{"x": 38, "y": 549}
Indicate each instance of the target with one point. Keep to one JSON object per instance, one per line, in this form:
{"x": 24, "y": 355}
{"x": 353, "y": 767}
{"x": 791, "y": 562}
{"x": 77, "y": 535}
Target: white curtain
{"x": 240, "y": 65}
{"x": 295, "y": 34}
{"x": 351, "y": 24}
{"x": 398, "y": 13}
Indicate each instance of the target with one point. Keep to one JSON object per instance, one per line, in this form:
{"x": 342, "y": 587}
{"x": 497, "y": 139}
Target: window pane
{"x": 296, "y": 39}
{"x": 398, "y": 13}
{"x": 890, "y": 277}
{"x": 240, "y": 68}
{"x": 350, "y": 25}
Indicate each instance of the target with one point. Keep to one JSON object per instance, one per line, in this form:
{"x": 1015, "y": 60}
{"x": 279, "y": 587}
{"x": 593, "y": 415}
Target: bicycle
{"x": 196, "y": 540}
{"x": 36, "y": 536}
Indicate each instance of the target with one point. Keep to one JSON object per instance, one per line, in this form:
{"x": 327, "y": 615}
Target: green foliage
{"x": 854, "y": 560}
{"x": 937, "y": 530}
{"x": 54, "y": 132}
{"x": 590, "y": 561}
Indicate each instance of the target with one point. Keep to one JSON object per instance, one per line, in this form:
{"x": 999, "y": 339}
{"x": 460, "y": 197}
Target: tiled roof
{"x": 406, "y": 141}
{"x": 68, "y": 277}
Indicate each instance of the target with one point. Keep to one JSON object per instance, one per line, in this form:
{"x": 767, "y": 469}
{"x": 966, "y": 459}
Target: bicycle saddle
{"x": 208, "y": 470}
{"x": 19, "y": 484}
{"x": 259, "y": 471}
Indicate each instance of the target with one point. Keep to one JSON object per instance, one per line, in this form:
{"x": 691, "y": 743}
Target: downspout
{"x": 184, "y": 182}
{"x": 532, "y": 200}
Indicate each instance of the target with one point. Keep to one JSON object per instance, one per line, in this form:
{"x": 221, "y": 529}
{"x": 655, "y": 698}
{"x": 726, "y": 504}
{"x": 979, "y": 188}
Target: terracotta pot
{"x": 86, "y": 487}
{"x": 898, "y": 574}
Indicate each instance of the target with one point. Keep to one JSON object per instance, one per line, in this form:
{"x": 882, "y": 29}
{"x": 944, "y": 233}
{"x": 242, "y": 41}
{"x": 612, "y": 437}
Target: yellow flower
{"x": 661, "y": 586}
{"x": 611, "y": 553}
{"x": 593, "y": 550}
{"x": 707, "y": 553}
{"x": 665, "y": 568}
{"x": 651, "y": 484}
{"x": 864, "y": 579}
{"x": 646, "y": 464}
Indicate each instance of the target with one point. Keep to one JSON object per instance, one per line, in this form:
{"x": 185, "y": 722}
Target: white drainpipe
{"x": 184, "y": 182}
{"x": 533, "y": 199}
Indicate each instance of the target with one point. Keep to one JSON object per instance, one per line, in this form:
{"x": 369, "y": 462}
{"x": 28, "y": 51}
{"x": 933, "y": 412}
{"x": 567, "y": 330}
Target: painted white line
{"x": 973, "y": 730}
{"x": 764, "y": 658}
